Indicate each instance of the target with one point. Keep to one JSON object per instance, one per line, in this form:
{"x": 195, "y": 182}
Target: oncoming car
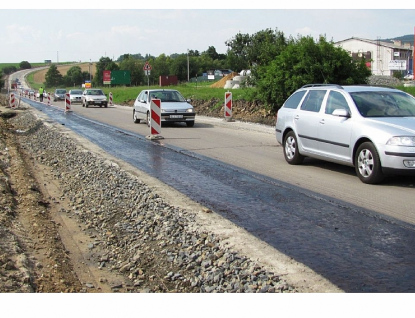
{"x": 174, "y": 107}
{"x": 94, "y": 96}
{"x": 369, "y": 128}
{"x": 59, "y": 94}
{"x": 75, "y": 95}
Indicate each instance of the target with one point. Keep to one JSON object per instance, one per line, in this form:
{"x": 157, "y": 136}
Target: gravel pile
{"x": 155, "y": 246}
{"x": 384, "y": 81}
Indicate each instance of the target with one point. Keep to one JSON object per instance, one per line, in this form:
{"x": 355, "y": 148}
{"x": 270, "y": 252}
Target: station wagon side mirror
{"x": 341, "y": 112}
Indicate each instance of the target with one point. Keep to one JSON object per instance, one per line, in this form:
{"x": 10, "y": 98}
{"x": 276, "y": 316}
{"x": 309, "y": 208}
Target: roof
{"x": 375, "y": 42}
{"x": 349, "y": 88}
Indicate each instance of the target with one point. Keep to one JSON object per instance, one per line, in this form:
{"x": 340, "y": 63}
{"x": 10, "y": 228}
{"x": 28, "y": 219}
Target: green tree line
{"x": 279, "y": 65}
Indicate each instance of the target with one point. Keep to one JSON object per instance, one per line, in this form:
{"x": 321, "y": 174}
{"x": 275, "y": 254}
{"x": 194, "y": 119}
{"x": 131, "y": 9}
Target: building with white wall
{"x": 383, "y": 58}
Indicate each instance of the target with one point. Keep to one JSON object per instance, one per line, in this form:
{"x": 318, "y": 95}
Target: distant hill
{"x": 409, "y": 38}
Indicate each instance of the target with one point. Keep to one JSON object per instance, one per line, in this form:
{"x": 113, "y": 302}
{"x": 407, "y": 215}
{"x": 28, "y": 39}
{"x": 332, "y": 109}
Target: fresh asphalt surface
{"x": 356, "y": 249}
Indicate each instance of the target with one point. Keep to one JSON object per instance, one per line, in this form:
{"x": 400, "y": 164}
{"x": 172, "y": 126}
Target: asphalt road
{"x": 254, "y": 148}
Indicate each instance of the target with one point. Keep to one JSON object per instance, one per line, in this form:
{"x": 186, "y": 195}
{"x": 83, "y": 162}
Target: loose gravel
{"x": 157, "y": 247}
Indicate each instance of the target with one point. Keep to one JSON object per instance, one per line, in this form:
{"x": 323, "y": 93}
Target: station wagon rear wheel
{"x": 367, "y": 164}
{"x": 291, "y": 153}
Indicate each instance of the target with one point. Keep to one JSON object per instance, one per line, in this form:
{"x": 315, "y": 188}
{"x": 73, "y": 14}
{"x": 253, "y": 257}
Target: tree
{"x": 178, "y": 67}
{"x": 104, "y": 64}
{"x": 211, "y": 51}
{"x": 237, "y": 54}
{"x": 53, "y": 77}
{"x": 247, "y": 51}
{"x": 264, "y": 46}
{"x": 135, "y": 67}
{"x": 162, "y": 65}
{"x": 304, "y": 61}
{"x": 9, "y": 69}
{"x": 73, "y": 77}
{"x": 25, "y": 65}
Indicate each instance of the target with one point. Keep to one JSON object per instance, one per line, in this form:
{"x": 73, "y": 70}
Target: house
{"x": 383, "y": 58}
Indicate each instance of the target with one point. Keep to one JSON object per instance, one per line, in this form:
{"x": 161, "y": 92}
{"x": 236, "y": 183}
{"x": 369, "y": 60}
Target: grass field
{"x": 123, "y": 94}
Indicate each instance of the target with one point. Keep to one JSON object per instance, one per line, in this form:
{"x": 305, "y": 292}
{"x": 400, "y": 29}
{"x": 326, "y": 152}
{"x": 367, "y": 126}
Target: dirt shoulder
{"x": 33, "y": 258}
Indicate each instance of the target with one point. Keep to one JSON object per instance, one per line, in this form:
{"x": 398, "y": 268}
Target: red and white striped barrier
{"x": 67, "y": 103}
{"x": 110, "y": 99}
{"x": 228, "y": 106}
{"x": 12, "y": 101}
{"x": 48, "y": 99}
{"x": 155, "y": 122}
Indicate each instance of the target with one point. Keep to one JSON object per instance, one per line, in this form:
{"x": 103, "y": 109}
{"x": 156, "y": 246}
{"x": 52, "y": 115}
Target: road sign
{"x": 147, "y": 67}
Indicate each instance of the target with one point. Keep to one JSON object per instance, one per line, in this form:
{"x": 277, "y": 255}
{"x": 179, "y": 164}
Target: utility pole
{"x": 188, "y": 65}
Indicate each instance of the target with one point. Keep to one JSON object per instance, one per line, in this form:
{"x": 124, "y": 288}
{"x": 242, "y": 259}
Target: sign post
{"x": 228, "y": 106}
{"x": 147, "y": 69}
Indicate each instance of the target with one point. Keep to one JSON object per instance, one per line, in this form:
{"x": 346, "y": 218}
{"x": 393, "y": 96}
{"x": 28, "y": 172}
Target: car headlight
{"x": 401, "y": 141}
{"x": 189, "y": 110}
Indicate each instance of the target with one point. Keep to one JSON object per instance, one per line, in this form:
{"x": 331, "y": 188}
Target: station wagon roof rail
{"x": 319, "y": 85}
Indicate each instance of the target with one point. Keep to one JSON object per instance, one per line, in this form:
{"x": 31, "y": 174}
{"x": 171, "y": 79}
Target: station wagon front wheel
{"x": 291, "y": 152}
{"x": 367, "y": 164}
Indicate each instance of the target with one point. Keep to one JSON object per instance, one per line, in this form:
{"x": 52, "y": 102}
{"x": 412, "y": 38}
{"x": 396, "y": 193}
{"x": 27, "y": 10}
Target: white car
{"x": 369, "y": 128}
{"x": 94, "y": 96}
{"x": 75, "y": 95}
{"x": 174, "y": 107}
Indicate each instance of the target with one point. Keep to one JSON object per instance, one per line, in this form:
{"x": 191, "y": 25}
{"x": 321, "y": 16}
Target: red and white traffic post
{"x": 155, "y": 121}
{"x": 12, "y": 101}
{"x": 48, "y": 99}
{"x": 228, "y": 106}
{"x": 67, "y": 103}
{"x": 110, "y": 99}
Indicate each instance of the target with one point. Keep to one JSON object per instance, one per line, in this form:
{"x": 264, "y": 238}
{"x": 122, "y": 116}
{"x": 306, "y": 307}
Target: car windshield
{"x": 76, "y": 92}
{"x": 60, "y": 91}
{"x": 167, "y": 96}
{"x": 95, "y": 92}
{"x": 384, "y": 104}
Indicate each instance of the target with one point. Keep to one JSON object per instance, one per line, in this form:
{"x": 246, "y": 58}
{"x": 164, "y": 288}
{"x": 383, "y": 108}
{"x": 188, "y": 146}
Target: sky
{"x": 88, "y": 30}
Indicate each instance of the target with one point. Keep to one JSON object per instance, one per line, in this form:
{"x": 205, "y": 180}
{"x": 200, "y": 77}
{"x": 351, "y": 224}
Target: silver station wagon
{"x": 368, "y": 127}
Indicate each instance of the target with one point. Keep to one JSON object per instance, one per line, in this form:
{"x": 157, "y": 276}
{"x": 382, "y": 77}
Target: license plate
{"x": 176, "y": 116}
